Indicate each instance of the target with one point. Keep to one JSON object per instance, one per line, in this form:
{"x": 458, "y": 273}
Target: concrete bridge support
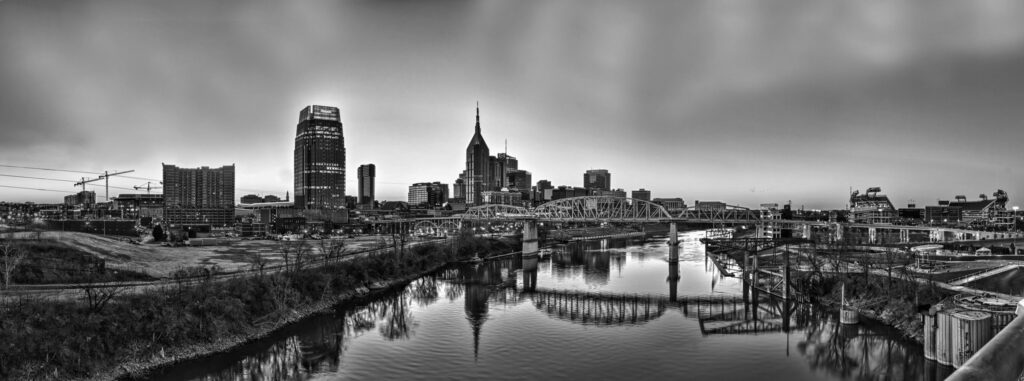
{"x": 872, "y": 235}
{"x": 673, "y": 281}
{"x": 904, "y": 235}
{"x": 531, "y": 245}
{"x": 673, "y": 234}
{"x": 935, "y": 235}
{"x": 806, "y": 231}
{"x": 530, "y": 273}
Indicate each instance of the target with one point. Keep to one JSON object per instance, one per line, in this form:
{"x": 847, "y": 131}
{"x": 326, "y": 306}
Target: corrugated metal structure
{"x": 969, "y": 330}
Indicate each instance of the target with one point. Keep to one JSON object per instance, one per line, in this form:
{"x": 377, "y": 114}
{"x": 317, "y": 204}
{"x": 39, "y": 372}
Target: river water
{"x": 602, "y": 310}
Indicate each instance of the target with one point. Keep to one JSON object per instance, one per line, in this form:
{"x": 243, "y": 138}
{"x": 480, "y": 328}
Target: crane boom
{"x": 105, "y": 176}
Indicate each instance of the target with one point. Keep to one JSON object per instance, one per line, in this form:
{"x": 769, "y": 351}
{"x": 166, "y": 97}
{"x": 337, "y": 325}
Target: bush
{"x": 44, "y": 339}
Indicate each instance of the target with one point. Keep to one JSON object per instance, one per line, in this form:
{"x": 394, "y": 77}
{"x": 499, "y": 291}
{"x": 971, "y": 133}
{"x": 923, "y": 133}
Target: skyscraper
{"x": 597, "y": 179}
{"x": 367, "y": 173}
{"x": 199, "y": 195}
{"x": 319, "y": 159}
{"x": 478, "y": 166}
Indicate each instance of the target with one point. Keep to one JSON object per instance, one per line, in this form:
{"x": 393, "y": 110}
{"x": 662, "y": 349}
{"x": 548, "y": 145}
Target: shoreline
{"x": 132, "y": 369}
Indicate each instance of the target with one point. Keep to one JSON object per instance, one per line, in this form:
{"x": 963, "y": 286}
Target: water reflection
{"x": 862, "y": 352}
{"x": 490, "y": 291}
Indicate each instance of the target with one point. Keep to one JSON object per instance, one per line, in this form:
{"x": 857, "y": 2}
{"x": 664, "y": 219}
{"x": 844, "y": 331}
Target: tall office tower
{"x": 199, "y": 195}
{"x": 478, "y": 166}
{"x": 459, "y": 188}
{"x": 367, "y": 173}
{"x": 501, "y": 165}
{"x": 544, "y": 190}
{"x": 319, "y": 159}
{"x": 597, "y": 179}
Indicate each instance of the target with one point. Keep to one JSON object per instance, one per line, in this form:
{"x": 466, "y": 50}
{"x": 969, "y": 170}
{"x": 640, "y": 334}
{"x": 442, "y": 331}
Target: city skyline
{"x": 759, "y": 112}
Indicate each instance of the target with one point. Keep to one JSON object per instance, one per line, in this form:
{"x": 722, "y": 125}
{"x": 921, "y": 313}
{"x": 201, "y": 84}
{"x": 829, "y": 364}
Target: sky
{"x": 742, "y": 101}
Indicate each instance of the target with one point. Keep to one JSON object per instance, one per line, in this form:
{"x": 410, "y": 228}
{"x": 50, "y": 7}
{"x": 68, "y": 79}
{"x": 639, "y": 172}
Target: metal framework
{"x": 496, "y": 212}
{"x": 744, "y": 216}
{"x": 439, "y": 228}
{"x": 601, "y": 208}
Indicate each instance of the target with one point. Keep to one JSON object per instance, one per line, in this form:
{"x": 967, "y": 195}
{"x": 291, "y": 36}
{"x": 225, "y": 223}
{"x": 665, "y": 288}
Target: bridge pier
{"x": 673, "y": 280}
{"x": 673, "y": 253}
{"x": 530, "y": 273}
{"x": 530, "y": 243}
{"x": 673, "y": 234}
{"x": 872, "y": 235}
{"x": 904, "y": 235}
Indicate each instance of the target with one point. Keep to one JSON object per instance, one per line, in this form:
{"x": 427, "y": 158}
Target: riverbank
{"x": 140, "y": 368}
{"x": 892, "y": 302}
{"x": 112, "y": 335}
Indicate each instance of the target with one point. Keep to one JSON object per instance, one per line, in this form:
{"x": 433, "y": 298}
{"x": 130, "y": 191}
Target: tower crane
{"x": 105, "y": 176}
{"x": 148, "y": 186}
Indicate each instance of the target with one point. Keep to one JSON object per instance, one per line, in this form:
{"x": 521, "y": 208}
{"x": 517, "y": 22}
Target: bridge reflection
{"x": 318, "y": 346}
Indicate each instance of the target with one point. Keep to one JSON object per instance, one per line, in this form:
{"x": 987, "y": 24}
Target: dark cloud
{"x": 712, "y": 99}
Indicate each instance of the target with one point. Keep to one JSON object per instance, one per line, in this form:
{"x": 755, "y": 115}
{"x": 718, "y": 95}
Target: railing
{"x": 1001, "y": 269}
{"x": 1002, "y": 358}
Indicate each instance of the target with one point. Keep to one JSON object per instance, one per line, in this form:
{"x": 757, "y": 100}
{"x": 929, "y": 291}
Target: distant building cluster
{"x": 204, "y": 197}
{"x": 871, "y": 207}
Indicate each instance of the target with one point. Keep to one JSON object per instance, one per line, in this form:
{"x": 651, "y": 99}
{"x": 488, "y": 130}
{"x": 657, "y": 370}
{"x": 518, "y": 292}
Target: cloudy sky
{"x": 741, "y": 101}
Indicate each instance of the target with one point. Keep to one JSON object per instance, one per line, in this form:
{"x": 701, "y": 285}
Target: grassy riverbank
{"x": 892, "y": 301}
{"x": 112, "y": 334}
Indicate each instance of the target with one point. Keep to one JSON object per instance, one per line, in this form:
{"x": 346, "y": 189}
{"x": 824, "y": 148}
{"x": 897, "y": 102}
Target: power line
{"x": 50, "y": 169}
{"x": 38, "y": 178}
{"x": 35, "y": 189}
{"x": 140, "y": 178}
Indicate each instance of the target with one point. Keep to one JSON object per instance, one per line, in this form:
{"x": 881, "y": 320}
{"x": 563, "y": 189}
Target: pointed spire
{"x": 478, "y": 117}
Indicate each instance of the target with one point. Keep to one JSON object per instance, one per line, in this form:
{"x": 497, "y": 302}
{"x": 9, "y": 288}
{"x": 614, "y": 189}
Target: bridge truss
{"x": 601, "y": 208}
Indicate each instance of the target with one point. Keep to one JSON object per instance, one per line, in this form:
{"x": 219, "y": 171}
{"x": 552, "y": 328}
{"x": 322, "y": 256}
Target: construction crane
{"x": 105, "y": 176}
{"x": 148, "y": 186}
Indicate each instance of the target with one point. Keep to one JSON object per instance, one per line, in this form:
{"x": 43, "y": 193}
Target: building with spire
{"x": 478, "y": 166}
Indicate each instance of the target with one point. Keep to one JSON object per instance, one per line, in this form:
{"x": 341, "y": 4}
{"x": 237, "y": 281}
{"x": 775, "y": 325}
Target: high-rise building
{"x": 544, "y": 190}
{"x": 641, "y": 194}
{"x": 199, "y": 195}
{"x": 459, "y": 188}
{"x": 478, "y": 166}
{"x": 428, "y": 194}
{"x": 367, "y": 174}
{"x": 597, "y": 179}
{"x": 83, "y": 198}
{"x": 319, "y": 159}
{"x": 518, "y": 179}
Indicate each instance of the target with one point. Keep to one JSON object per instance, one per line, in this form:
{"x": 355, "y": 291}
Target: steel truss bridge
{"x": 600, "y": 209}
{"x": 609, "y": 209}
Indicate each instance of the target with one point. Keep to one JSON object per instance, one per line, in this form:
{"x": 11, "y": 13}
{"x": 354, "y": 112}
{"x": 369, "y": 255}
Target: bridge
{"x": 611, "y": 209}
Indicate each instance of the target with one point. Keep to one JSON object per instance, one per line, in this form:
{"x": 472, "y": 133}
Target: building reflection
{"x": 582, "y": 260}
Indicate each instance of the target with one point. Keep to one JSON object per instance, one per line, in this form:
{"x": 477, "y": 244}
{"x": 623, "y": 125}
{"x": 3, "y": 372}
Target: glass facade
{"x": 319, "y": 159}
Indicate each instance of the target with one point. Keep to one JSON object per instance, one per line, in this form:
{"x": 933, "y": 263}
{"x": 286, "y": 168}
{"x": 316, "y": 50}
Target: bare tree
{"x": 332, "y": 249}
{"x": 257, "y": 261}
{"x": 294, "y": 254}
{"x": 10, "y": 258}
{"x": 399, "y": 239}
{"x": 98, "y": 295}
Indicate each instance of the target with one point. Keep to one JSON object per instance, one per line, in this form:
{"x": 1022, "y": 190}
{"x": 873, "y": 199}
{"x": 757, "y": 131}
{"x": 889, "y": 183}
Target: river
{"x": 609, "y": 309}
